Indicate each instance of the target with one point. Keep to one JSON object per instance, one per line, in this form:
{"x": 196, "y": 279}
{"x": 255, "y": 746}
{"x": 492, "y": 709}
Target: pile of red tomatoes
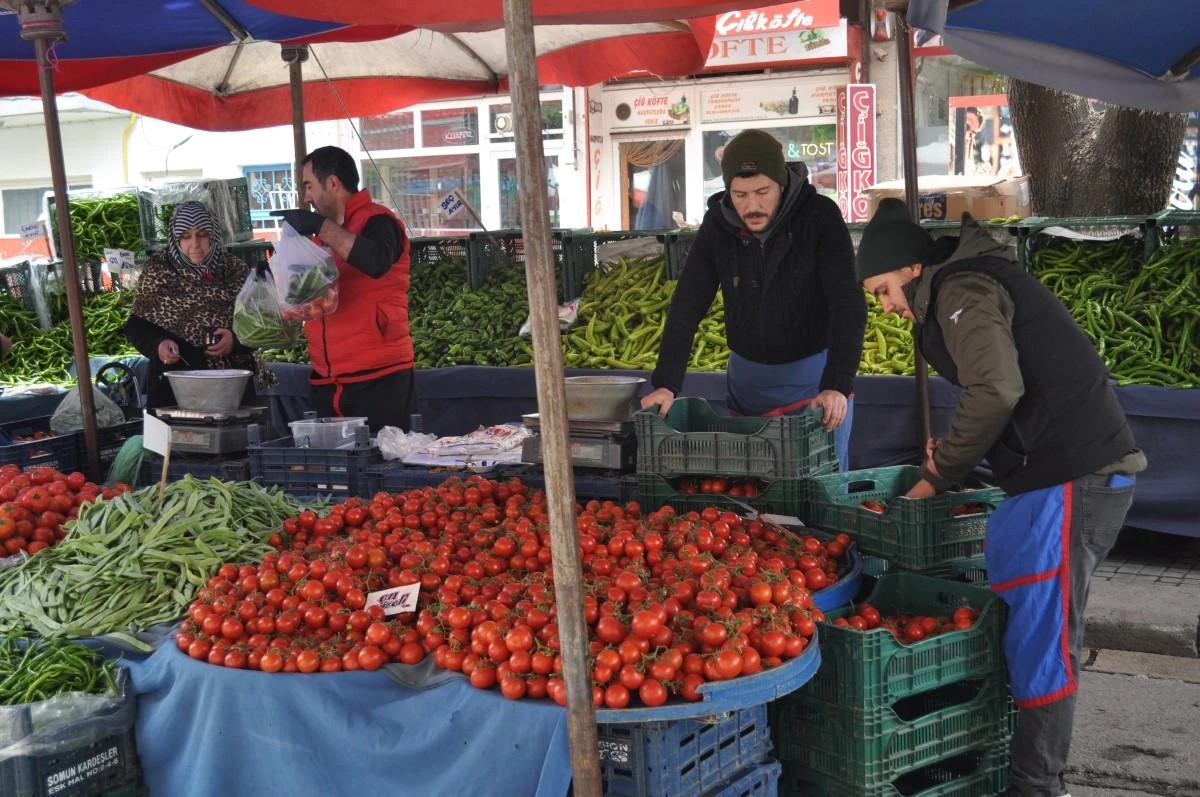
{"x": 672, "y": 600}
{"x": 35, "y": 504}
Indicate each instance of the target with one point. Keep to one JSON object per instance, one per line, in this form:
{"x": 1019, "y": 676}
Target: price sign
{"x": 396, "y": 600}
{"x": 119, "y": 259}
{"x": 156, "y": 435}
{"x": 452, "y": 204}
{"x": 31, "y": 231}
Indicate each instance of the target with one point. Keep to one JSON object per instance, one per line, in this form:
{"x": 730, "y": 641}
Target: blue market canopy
{"x": 110, "y": 40}
{"x": 1140, "y": 55}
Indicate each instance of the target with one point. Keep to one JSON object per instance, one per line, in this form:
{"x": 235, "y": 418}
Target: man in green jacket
{"x": 1037, "y": 403}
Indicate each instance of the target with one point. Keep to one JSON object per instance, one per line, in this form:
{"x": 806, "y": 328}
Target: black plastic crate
{"x": 681, "y": 758}
{"x": 396, "y": 477}
{"x": 91, "y": 757}
{"x": 201, "y": 467}
{"x": 54, "y": 451}
{"x": 336, "y": 472}
{"x": 679, "y": 245}
{"x": 600, "y": 485}
{"x": 431, "y": 251}
{"x": 111, "y": 439}
{"x": 569, "y": 249}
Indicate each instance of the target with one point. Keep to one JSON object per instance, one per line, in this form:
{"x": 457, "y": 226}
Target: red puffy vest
{"x": 367, "y": 336}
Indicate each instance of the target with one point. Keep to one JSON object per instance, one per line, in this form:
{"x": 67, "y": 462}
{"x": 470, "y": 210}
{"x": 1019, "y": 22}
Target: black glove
{"x": 304, "y": 222}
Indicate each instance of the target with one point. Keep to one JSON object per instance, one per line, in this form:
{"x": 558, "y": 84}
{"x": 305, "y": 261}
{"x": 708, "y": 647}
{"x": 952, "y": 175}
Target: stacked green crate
{"x": 882, "y": 717}
{"x": 694, "y": 440}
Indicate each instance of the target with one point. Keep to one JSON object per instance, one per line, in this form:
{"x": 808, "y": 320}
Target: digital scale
{"x": 204, "y": 432}
{"x": 611, "y": 445}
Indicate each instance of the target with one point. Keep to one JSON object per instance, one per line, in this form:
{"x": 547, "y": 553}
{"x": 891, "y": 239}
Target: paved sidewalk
{"x": 1146, "y": 596}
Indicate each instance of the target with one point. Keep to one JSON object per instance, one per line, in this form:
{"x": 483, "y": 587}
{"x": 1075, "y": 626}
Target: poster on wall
{"x": 800, "y": 31}
{"x": 758, "y": 102}
{"x": 982, "y": 143}
{"x": 642, "y": 108}
{"x": 856, "y": 169}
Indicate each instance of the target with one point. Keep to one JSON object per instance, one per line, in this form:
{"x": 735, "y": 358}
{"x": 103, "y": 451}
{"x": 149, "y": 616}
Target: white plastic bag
{"x": 395, "y": 443}
{"x": 305, "y": 277}
{"x": 258, "y": 318}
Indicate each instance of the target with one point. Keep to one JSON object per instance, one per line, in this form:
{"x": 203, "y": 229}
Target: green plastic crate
{"x": 780, "y": 497}
{"x": 678, "y": 247}
{"x": 487, "y": 249}
{"x": 970, "y": 570}
{"x": 869, "y": 748}
{"x": 870, "y": 670}
{"x": 982, "y": 772}
{"x": 915, "y": 534}
{"x": 694, "y": 439}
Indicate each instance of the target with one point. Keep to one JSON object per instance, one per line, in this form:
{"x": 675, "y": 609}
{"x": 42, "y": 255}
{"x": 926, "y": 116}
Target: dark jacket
{"x": 1036, "y": 398}
{"x": 789, "y": 293}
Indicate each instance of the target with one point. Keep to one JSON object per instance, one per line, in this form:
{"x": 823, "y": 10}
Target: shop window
{"x": 449, "y": 127}
{"x": 500, "y": 128}
{"x": 939, "y": 78}
{"x": 416, "y": 186}
{"x": 271, "y": 188}
{"x": 389, "y": 131}
{"x": 510, "y": 195}
{"x": 654, "y": 184}
{"x": 25, "y": 205}
{"x": 814, "y": 145}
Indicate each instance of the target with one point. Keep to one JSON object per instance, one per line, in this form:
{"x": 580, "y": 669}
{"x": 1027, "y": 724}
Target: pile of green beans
{"x": 1143, "y": 316}
{"x": 622, "y": 314}
{"x": 131, "y": 562}
{"x": 33, "y": 670}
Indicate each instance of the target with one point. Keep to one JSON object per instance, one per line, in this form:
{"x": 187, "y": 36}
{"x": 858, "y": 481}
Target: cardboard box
{"x": 946, "y": 197}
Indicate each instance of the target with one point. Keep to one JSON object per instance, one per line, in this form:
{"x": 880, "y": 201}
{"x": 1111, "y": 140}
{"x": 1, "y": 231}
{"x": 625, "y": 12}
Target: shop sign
{"x": 639, "y": 109}
{"x": 763, "y": 47}
{"x": 751, "y": 102}
{"x": 781, "y": 18}
{"x": 855, "y": 148}
{"x": 458, "y": 135}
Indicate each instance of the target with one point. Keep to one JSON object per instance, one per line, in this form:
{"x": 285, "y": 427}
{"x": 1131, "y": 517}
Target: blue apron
{"x": 783, "y": 389}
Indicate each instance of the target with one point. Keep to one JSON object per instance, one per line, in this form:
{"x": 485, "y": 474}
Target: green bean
{"x": 100, "y": 575}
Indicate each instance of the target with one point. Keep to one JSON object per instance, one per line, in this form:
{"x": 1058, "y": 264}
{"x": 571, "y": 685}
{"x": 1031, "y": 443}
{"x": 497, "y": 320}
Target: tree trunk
{"x": 1082, "y": 162}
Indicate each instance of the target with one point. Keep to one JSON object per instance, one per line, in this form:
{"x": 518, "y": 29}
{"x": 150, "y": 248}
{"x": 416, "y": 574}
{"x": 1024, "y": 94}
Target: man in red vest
{"x": 362, "y": 354}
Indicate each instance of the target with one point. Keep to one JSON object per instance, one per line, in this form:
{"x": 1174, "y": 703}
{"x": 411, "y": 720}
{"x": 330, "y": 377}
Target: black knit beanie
{"x": 891, "y": 240}
{"x": 754, "y": 152}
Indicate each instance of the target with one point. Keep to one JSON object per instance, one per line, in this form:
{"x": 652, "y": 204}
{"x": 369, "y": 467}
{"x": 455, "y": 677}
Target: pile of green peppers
{"x": 44, "y": 356}
{"x": 622, "y": 314}
{"x": 1143, "y": 315}
{"x": 107, "y": 223}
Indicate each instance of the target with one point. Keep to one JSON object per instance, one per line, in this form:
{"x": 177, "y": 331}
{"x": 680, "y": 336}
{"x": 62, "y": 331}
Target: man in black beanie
{"x": 794, "y": 314}
{"x": 1037, "y": 403}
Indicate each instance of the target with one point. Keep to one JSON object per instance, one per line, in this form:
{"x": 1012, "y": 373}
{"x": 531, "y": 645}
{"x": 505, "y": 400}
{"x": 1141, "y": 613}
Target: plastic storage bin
{"x": 695, "y": 439}
{"x": 89, "y": 757}
{"x": 759, "y": 781}
{"x": 870, "y": 670}
{"x": 338, "y": 472}
{"x": 325, "y": 432}
{"x": 111, "y": 439}
{"x": 869, "y": 748}
{"x": 982, "y": 772}
{"x": 52, "y": 451}
{"x": 780, "y": 497}
{"x": 915, "y": 534}
{"x": 230, "y": 470}
{"x": 681, "y": 758}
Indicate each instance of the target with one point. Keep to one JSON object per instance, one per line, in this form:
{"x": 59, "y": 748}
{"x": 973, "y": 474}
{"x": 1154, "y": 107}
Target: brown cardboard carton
{"x": 947, "y": 197}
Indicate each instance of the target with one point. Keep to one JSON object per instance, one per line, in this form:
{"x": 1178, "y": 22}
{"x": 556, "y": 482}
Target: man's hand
{"x": 302, "y": 221}
{"x": 663, "y": 397}
{"x": 834, "y": 405}
{"x": 921, "y": 489}
{"x": 223, "y": 346}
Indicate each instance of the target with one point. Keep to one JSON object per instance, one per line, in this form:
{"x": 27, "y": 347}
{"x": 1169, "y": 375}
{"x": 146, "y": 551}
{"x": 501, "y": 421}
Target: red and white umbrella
{"x": 246, "y": 85}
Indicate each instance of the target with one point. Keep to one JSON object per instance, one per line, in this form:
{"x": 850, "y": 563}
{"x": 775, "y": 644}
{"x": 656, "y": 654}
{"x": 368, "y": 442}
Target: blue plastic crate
{"x": 396, "y": 477}
{"x": 682, "y": 758}
{"x": 760, "y": 781}
{"x": 55, "y": 451}
{"x": 334, "y": 472}
{"x": 92, "y": 756}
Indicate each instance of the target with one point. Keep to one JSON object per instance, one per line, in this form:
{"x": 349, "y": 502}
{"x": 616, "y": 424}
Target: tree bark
{"x": 1081, "y": 162}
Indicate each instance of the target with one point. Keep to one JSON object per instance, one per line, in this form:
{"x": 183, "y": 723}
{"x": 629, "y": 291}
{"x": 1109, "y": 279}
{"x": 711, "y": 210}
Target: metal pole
{"x": 42, "y": 24}
{"x": 908, "y": 139}
{"x": 552, "y": 406}
{"x": 295, "y": 57}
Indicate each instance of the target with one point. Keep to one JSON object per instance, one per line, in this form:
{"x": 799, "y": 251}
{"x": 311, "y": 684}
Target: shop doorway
{"x": 653, "y": 178}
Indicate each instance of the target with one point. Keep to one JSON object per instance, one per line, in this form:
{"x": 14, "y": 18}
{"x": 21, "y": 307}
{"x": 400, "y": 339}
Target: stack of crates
{"x": 940, "y": 536}
{"x": 724, "y": 756}
{"x": 882, "y": 718}
{"x": 694, "y": 440}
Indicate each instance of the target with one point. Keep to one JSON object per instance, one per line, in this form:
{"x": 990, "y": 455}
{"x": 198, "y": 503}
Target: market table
{"x": 204, "y": 730}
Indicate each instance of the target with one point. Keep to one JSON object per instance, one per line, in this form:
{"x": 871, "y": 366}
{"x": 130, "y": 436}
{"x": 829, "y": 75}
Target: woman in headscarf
{"x": 183, "y": 312}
